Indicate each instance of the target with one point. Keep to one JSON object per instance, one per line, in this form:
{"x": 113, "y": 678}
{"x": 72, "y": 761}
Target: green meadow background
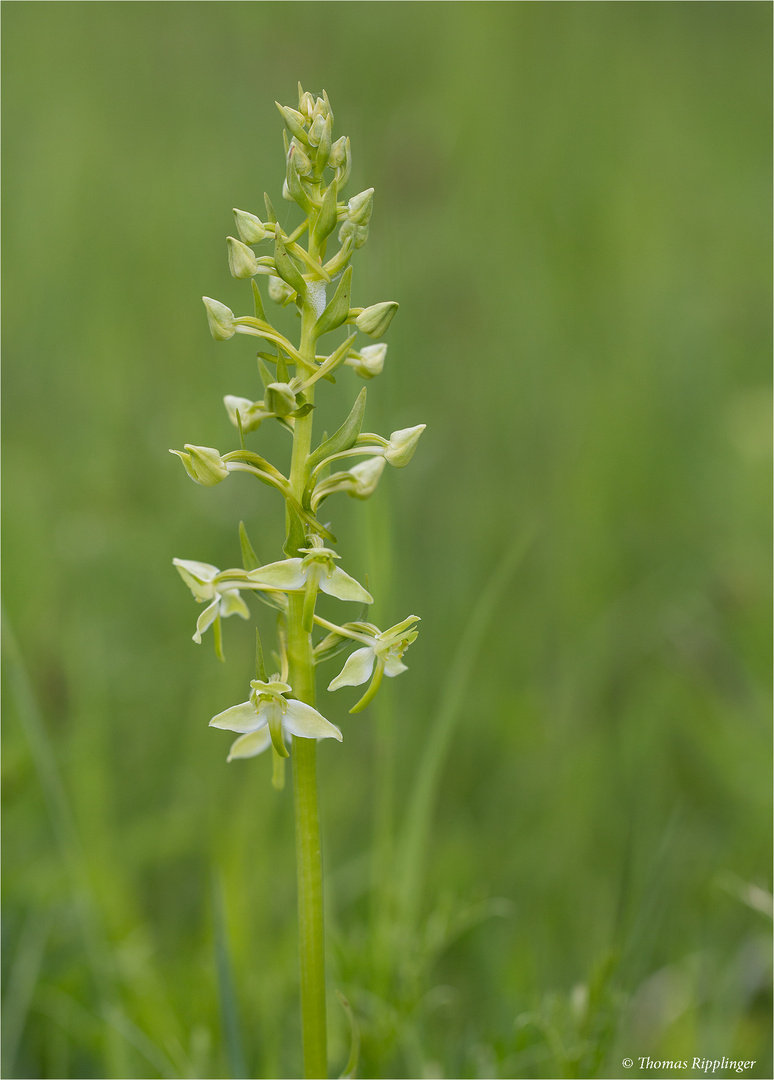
{"x": 547, "y": 846}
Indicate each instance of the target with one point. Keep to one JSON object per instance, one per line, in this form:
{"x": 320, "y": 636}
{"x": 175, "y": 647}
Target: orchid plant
{"x": 280, "y": 714}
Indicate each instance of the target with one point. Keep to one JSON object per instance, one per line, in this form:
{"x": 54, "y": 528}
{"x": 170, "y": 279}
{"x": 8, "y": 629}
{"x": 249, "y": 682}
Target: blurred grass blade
{"x": 229, "y": 1012}
{"x": 137, "y": 1038}
{"x": 21, "y": 982}
{"x": 411, "y": 854}
{"x": 88, "y": 916}
{"x": 350, "y": 1069}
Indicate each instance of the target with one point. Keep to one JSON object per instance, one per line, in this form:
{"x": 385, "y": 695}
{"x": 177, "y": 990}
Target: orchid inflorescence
{"x": 319, "y": 286}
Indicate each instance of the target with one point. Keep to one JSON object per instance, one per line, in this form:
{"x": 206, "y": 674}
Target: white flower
{"x": 383, "y": 652}
{"x": 268, "y": 717}
{"x": 207, "y": 583}
{"x": 291, "y": 575}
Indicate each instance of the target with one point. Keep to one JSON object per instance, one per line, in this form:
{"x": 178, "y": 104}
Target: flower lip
{"x": 269, "y": 691}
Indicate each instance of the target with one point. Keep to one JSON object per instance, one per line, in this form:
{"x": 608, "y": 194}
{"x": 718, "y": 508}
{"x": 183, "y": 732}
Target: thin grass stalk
{"x": 227, "y": 999}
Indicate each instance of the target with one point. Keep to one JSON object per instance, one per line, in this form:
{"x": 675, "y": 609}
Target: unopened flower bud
{"x": 316, "y": 129}
{"x": 220, "y": 318}
{"x": 338, "y": 153}
{"x": 402, "y": 445}
{"x": 360, "y": 206}
{"x": 366, "y": 475}
{"x": 279, "y": 291}
{"x": 241, "y": 260}
{"x": 306, "y": 104}
{"x": 203, "y": 464}
{"x": 374, "y": 320}
{"x": 294, "y": 121}
{"x": 250, "y": 228}
{"x": 240, "y": 405}
{"x": 280, "y": 399}
{"x": 359, "y": 233}
{"x": 370, "y": 361}
{"x": 236, "y": 404}
{"x": 302, "y": 162}
{"x": 324, "y": 146}
{"x": 344, "y": 170}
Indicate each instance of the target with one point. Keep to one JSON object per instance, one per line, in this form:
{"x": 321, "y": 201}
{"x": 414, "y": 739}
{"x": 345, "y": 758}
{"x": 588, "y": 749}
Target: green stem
{"x": 308, "y": 848}
{"x": 310, "y": 909}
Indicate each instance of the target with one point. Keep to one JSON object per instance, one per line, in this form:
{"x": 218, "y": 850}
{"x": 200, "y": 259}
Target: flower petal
{"x": 206, "y": 619}
{"x": 397, "y": 630}
{"x": 357, "y": 669}
{"x": 202, "y": 571}
{"x": 241, "y": 718}
{"x": 344, "y": 587}
{"x": 197, "y": 576}
{"x": 231, "y": 603}
{"x": 301, "y": 719}
{"x": 250, "y": 745}
{"x": 393, "y": 666}
{"x": 286, "y": 575}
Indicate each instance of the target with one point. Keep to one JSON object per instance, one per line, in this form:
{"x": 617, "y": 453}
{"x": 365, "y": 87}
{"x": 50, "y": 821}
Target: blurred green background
{"x": 547, "y": 845}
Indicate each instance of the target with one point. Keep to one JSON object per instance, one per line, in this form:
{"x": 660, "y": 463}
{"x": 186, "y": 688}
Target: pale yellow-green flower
{"x": 207, "y": 583}
{"x": 380, "y": 656}
{"x": 268, "y": 717}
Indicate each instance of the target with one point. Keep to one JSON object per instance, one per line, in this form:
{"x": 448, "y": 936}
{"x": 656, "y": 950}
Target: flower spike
{"x": 309, "y": 266}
